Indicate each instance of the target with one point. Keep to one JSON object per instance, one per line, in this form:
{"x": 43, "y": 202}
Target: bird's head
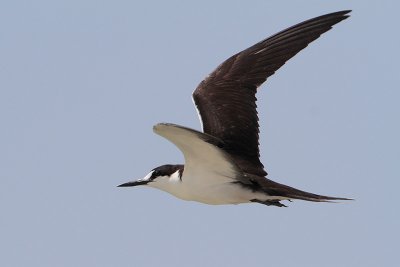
{"x": 159, "y": 176}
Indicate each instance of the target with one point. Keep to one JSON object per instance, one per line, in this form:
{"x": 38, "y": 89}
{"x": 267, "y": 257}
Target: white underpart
{"x": 208, "y": 175}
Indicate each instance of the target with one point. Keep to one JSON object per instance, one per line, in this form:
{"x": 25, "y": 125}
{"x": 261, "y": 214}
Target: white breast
{"x": 209, "y": 172}
{"x": 208, "y": 188}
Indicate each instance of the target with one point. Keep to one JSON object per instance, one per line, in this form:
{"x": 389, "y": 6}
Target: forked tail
{"x": 293, "y": 193}
{"x": 286, "y": 192}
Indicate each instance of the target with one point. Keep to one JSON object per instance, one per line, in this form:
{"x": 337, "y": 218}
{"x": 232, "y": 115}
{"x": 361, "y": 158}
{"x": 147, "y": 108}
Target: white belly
{"x": 213, "y": 189}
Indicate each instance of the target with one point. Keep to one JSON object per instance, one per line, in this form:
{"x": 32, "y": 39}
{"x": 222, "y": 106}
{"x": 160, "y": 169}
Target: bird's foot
{"x": 269, "y": 202}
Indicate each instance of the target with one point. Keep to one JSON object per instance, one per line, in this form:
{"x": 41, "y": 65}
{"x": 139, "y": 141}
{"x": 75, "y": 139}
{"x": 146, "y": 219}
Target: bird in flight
{"x": 222, "y": 163}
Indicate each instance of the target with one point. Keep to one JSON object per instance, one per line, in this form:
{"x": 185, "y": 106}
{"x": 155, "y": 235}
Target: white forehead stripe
{"x": 147, "y": 177}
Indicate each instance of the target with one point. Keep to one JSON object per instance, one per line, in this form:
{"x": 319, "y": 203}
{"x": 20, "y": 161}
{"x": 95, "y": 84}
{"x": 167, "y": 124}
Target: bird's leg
{"x": 269, "y": 202}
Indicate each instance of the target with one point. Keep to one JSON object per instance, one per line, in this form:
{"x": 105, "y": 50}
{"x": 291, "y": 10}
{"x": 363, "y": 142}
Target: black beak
{"x": 134, "y": 183}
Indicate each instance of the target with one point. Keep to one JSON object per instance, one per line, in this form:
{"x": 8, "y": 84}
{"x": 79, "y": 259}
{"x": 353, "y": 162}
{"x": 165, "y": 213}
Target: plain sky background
{"x": 83, "y": 82}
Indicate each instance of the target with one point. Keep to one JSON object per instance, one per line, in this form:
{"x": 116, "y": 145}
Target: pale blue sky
{"x": 82, "y": 83}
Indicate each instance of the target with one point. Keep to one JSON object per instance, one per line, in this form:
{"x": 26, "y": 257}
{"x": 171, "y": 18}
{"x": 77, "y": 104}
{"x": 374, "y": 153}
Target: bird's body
{"x": 222, "y": 164}
{"x": 208, "y": 175}
{"x": 213, "y": 189}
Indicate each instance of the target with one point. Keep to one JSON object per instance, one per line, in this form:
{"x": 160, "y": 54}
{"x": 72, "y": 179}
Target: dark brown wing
{"x": 226, "y": 99}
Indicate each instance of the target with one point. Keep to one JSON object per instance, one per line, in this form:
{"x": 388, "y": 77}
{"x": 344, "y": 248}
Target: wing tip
{"x": 342, "y": 13}
{"x": 338, "y": 16}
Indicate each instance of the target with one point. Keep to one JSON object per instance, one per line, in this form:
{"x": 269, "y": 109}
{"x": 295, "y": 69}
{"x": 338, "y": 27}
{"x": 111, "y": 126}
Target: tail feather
{"x": 298, "y": 194}
{"x": 280, "y": 190}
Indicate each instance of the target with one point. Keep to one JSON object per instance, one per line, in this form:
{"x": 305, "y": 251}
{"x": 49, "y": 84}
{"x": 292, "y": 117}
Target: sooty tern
{"x": 222, "y": 163}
